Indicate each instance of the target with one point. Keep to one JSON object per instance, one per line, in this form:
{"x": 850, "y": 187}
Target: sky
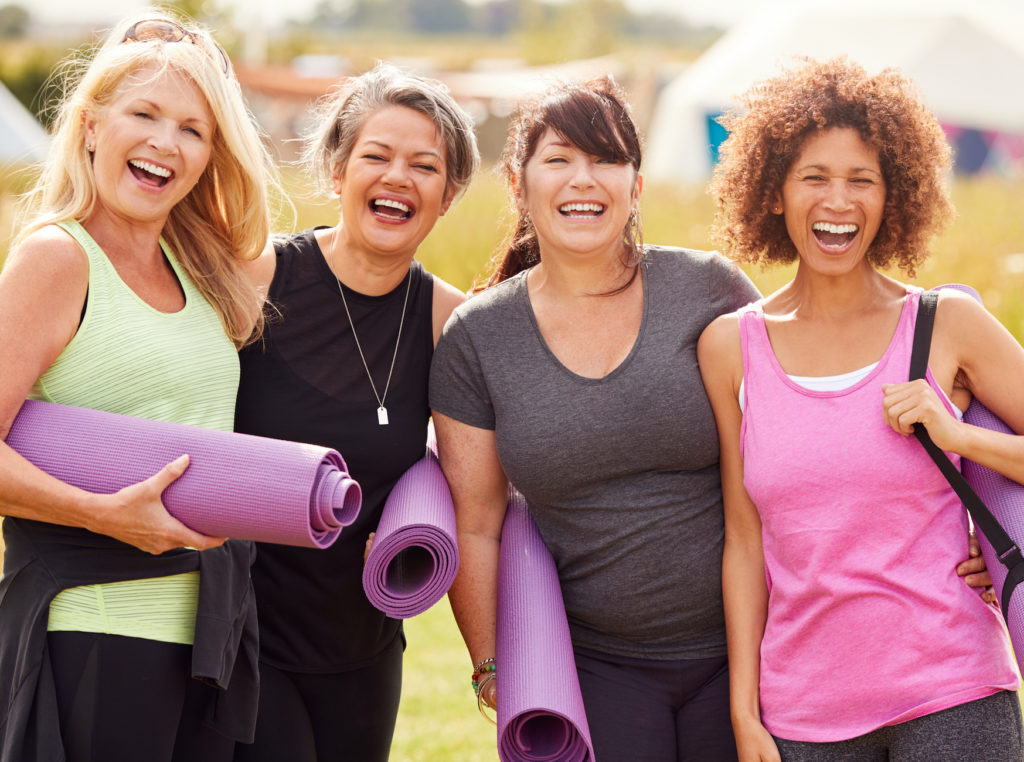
{"x": 721, "y": 12}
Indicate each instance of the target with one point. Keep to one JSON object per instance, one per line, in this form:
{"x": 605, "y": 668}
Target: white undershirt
{"x": 834, "y": 384}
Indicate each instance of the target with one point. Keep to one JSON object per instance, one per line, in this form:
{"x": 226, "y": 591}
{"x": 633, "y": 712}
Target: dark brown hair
{"x": 778, "y": 117}
{"x": 594, "y": 117}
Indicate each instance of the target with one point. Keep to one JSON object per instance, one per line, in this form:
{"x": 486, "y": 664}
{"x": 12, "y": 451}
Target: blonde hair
{"x": 223, "y": 221}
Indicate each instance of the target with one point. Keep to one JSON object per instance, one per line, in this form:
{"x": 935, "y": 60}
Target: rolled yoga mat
{"x": 415, "y": 554}
{"x": 1005, "y": 499}
{"x": 540, "y": 709}
{"x": 236, "y": 485}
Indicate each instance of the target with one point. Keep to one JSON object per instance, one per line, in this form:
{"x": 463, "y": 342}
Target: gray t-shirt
{"x": 621, "y": 473}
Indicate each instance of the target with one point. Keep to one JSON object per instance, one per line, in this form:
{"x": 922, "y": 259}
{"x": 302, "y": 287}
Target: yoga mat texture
{"x": 415, "y": 554}
{"x": 236, "y": 485}
{"x": 540, "y": 709}
{"x": 1005, "y": 499}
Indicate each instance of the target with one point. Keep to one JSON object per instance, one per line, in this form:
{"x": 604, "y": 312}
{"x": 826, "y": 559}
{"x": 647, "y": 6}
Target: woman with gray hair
{"x": 344, "y": 363}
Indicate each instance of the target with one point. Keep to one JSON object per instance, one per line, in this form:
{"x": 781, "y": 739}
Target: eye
{"x": 862, "y": 181}
{"x": 427, "y": 168}
{"x": 610, "y": 162}
{"x": 142, "y": 115}
{"x": 556, "y": 160}
{"x": 373, "y": 157}
{"x": 814, "y": 178}
{"x": 193, "y": 131}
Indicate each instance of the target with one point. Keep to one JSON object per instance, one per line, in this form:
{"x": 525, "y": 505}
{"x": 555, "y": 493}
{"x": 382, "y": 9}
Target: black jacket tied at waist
{"x": 42, "y": 559}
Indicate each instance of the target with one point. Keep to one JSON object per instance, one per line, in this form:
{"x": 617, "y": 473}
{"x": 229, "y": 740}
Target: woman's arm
{"x": 972, "y": 350}
{"x": 42, "y": 291}
{"x": 744, "y": 587}
{"x": 446, "y": 299}
{"x": 469, "y": 459}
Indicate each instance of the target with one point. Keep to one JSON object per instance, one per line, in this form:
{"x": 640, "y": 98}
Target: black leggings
{"x": 985, "y": 730}
{"x": 130, "y": 699}
{"x": 641, "y": 710}
{"x": 340, "y": 717}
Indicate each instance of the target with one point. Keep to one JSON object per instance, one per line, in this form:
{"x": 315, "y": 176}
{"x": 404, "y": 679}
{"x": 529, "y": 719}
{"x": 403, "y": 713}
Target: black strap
{"x": 1006, "y": 549}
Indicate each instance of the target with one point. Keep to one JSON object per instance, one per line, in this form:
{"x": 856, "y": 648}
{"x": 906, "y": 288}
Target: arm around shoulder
{"x": 446, "y": 299}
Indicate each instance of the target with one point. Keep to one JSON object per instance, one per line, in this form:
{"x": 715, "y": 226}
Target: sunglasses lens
{"x": 168, "y": 31}
{"x": 156, "y": 29}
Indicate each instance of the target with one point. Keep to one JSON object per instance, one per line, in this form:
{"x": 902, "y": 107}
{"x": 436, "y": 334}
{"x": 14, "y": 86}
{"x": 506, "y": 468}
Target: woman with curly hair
{"x": 847, "y": 639}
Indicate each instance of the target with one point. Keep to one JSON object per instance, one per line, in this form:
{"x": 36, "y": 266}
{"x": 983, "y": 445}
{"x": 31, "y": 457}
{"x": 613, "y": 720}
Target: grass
{"x": 438, "y": 720}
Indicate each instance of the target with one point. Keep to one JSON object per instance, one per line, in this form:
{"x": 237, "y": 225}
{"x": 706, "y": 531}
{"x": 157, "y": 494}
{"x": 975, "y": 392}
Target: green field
{"x": 438, "y": 720}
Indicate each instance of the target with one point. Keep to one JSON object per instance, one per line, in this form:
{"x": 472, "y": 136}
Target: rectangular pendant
{"x": 382, "y": 416}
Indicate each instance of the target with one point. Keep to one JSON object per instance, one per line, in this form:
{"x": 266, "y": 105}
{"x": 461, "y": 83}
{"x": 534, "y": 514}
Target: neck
{"x": 123, "y": 239}
{"x": 812, "y": 294}
{"x": 362, "y": 271}
{"x": 578, "y": 278}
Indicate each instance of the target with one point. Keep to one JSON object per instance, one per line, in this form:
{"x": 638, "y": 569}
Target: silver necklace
{"x": 382, "y": 412}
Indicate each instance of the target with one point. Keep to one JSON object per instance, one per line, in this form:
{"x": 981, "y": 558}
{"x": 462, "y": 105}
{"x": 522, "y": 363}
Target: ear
{"x": 337, "y": 183}
{"x": 89, "y": 128}
{"x": 638, "y": 188}
{"x": 777, "y": 207}
{"x": 449, "y": 196}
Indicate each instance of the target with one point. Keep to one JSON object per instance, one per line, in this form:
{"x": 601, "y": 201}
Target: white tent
{"x": 967, "y": 59}
{"x": 22, "y": 138}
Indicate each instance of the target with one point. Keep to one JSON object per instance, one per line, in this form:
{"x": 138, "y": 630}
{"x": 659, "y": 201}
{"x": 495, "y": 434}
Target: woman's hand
{"x": 912, "y": 402}
{"x": 136, "y": 515}
{"x": 975, "y": 572}
{"x": 754, "y": 743}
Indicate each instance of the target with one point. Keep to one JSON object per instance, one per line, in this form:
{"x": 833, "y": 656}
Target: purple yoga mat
{"x": 415, "y": 553}
{"x": 540, "y": 709}
{"x": 236, "y": 485}
{"x": 1005, "y": 499}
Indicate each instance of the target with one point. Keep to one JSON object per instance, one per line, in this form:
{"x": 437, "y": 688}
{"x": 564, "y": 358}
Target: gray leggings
{"x": 986, "y": 730}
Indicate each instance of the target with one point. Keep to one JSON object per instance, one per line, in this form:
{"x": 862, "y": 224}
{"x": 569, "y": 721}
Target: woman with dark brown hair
{"x": 848, "y": 640}
{"x": 574, "y": 377}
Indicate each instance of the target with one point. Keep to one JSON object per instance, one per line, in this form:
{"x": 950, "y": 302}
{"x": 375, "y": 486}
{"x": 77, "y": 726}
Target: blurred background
{"x": 682, "y": 63}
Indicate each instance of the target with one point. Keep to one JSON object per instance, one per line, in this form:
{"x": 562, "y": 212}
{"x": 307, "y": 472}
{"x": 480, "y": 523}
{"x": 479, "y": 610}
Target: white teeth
{"x": 393, "y": 204}
{"x": 828, "y": 227}
{"x": 153, "y": 169}
{"x": 594, "y": 208}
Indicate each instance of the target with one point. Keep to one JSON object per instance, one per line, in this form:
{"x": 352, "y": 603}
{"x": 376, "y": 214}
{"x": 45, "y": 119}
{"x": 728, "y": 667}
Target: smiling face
{"x": 151, "y": 145}
{"x": 833, "y": 199}
{"x": 579, "y": 204}
{"x": 393, "y": 186}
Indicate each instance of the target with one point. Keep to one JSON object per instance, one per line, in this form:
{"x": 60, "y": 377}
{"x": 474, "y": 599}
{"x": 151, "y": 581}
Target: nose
{"x": 396, "y": 174}
{"x": 164, "y": 137}
{"x": 583, "y": 177}
{"x": 837, "y": 197}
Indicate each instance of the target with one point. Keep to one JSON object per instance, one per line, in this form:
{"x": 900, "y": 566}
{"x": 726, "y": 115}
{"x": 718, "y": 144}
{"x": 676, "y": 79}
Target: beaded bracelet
{"x": 488, "y": 665}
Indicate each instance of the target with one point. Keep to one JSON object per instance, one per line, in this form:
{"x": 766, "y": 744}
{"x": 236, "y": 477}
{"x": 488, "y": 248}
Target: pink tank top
{"x": 868, "y": 623}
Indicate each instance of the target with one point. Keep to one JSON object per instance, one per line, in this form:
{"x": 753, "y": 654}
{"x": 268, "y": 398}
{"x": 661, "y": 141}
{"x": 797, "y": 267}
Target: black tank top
{"x": 305, "y": 382}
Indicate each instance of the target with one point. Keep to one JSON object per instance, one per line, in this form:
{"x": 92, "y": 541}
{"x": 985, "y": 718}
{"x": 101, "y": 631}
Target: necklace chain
{"x": 382, "y": 412}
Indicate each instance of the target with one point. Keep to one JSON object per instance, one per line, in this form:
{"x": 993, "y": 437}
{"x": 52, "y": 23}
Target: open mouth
{"x": 583, "y": 211}
{"x": 391, "y": 209}
{"x": 150, "y": 174}
{"x": 834, "y": 236}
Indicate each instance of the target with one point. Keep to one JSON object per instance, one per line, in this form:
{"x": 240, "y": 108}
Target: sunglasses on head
{"x": 167, "y": 31}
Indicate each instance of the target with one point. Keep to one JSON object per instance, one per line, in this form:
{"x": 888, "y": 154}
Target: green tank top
{"x": 132, "y": 359}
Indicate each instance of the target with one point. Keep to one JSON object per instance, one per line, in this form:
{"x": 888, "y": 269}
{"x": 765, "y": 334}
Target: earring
{"x": 90, "y": 147}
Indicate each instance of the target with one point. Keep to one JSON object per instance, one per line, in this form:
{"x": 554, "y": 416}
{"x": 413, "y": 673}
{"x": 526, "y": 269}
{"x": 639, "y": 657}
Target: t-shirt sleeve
{"x": 458, "y": 388}
{"x": 730, "y": 288}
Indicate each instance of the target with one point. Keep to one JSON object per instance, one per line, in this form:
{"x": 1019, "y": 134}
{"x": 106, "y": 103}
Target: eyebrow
{"x": 425, "y": 152}
{"x": 156, "y": 107}
{"x": 826, "y": 168}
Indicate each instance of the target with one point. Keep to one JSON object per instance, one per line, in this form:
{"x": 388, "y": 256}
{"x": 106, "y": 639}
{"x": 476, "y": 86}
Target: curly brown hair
{"x": 768, "y": 133}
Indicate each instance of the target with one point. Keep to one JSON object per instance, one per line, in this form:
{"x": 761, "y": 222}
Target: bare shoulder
{"x": 446, "y": 299}
{"x": 260, "y": 270}
{"x": 721, "y": 335}
{"x": 49, "y": 250}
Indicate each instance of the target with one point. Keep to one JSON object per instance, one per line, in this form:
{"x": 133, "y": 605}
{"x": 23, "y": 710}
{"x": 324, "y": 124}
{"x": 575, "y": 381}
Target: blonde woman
{"x": 124, "y": 292}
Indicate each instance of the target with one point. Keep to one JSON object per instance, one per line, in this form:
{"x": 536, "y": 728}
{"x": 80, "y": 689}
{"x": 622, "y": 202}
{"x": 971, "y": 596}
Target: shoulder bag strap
{"x": 1006, "y": 549}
